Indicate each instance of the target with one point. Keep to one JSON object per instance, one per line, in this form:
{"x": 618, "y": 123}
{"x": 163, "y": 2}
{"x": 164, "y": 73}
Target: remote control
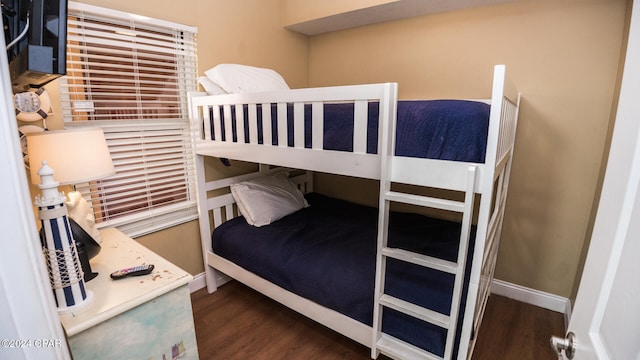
{"x": 132, "y": 271}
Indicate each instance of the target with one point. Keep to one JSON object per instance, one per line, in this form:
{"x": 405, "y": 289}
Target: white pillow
{"x": 80, "y": 211}
{"x": 239, "y": 79}
{"x": 210, "y": 87}
{"x": 267, "y": 198}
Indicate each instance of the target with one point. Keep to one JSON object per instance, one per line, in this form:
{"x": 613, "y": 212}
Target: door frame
{"x": 31, "y": 327}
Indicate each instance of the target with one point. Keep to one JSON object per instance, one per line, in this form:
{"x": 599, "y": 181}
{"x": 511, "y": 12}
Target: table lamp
{"x": 67, "y": 157}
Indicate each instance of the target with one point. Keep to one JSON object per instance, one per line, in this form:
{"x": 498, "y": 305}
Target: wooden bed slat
{"x": 217, "y": 128}
{"x": 253, "y": 123}
{"x": 239, "y": 132}
{"x": 298, "y": 125}
{"x": 282, "y": 124}
{"x": 360, "y": 126}
{"x": 206, "y": 114}
{"x": 228, "y": 127}
{"x": 317, "y": 125}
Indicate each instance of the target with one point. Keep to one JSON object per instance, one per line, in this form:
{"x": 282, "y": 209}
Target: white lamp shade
{"x": 76, "y": 156}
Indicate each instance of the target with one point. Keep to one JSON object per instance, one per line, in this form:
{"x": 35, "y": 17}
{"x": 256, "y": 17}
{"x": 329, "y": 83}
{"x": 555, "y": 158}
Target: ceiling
{"x": 390, "y": 11}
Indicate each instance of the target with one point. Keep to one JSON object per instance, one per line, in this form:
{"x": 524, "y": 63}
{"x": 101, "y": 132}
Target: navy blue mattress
{"x": 436, "y": 129}
{"x": 327, "y": 253}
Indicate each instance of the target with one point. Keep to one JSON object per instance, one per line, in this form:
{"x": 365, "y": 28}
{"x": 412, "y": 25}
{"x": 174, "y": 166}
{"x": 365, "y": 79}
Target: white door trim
{"x": 30, "y": 325}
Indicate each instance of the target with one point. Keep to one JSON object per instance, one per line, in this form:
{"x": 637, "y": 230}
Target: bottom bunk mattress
{"x": 327, "y": 253}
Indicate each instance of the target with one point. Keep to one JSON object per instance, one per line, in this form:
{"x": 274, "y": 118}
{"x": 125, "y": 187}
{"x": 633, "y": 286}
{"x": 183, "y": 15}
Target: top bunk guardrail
{"x": 275, "y": 121}
{"x": 288, "y": 128}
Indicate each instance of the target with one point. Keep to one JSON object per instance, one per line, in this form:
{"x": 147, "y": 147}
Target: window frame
{"x": 153, "y": 217}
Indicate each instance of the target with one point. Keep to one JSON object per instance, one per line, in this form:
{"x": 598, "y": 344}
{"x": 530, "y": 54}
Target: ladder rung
{"x": 427, "y": 201}
{"x": 401, "y": 350}
{"x": 422, "y": 260}
{"x": 415, "y": 311}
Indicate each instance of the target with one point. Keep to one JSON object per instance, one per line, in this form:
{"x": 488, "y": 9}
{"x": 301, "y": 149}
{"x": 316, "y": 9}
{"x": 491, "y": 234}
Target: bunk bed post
{"x": 501, "y": 137}
{"x": 486, "y": 189}
{"x": 203, "y": 213}
{"x": 386, "y": 144}
{"x": 205, "y": 228}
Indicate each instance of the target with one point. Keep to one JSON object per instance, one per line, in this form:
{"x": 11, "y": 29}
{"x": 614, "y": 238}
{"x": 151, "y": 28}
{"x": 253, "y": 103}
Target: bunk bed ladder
{"x": 385, "y": 343}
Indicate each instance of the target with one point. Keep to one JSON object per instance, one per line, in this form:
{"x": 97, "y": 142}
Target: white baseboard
{"x": 534, "y": 297}
{"x": 513, "y": 291}
{"x": 197, "y": 283}
{"x": 200, "y": 282}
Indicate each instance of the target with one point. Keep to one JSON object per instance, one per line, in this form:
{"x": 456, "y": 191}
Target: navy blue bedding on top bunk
{"x": 327, "y": 253}
{"x": 436, "y": 129}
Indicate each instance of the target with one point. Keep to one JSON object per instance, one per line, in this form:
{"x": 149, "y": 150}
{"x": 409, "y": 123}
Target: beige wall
{"x": 563, "y": 56}
{"x": 247, "y": 32}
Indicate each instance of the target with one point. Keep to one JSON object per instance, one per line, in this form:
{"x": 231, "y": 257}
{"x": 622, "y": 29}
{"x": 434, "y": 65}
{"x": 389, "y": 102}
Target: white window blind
{"x": 130, "y": 75}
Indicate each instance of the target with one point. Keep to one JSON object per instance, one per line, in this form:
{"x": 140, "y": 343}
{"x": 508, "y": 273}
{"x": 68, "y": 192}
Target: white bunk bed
{"x": 215, "y": 135}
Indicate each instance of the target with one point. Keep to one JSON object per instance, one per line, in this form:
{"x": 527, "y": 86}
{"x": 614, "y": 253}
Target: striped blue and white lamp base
{"x": 59, "y": 248}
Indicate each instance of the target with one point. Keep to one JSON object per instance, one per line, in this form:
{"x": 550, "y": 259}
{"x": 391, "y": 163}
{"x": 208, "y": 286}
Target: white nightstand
{"x": 139, "y": 317}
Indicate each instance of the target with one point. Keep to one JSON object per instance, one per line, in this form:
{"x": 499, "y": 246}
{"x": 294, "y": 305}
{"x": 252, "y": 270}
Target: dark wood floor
{"x": 238, "y": 323}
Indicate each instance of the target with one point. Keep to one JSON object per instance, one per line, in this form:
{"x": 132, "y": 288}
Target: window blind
{"x": 130, "y": 75}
